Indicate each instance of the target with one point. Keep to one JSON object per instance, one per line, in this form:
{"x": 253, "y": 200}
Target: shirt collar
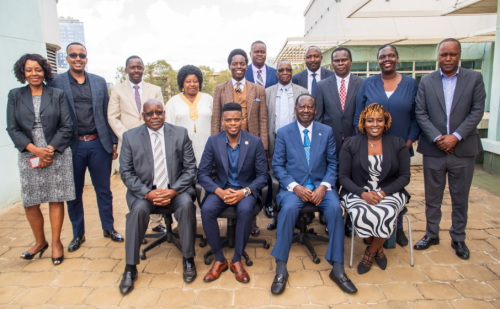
{"x": 301, "y": 128}
{"x": 346, "y": 79}
{"x": 160, "y": 131}
{"x": 255, "y": 69}
{"x": 241, "y": 81}
{"x": 443, "y": 75}
{"x": 287, "y": 87}
{"x": 239, "y": 138}
{"x": 132, "y": 84}
{"x": 309, "y": 72}
{"x": 71, "y": 78}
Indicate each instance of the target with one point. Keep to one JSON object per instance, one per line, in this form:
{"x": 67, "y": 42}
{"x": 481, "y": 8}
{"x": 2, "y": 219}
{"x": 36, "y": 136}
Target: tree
{"x": 161, "y": 74}
{"x": 120, "y": 75}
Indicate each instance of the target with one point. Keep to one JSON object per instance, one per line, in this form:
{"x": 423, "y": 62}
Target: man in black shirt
{"x": 93, "y": 143}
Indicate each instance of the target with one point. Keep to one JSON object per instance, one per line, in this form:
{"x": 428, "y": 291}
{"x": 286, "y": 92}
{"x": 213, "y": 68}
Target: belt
{"x": 88, "y": 138}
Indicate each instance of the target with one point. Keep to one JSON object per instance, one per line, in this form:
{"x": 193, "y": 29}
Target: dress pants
{"x": 291, "y": 205}
{"x": 460, "y": 171}
{"x": 213, "y": 207}
{"x": 137, "y": 224}
{"x": 91, "y": 154}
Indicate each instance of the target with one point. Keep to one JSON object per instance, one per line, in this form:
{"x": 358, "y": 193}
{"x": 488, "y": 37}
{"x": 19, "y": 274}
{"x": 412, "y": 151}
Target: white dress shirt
{"x": 242, "y": 86}
{"x": 301, "y": 130}
{"x": 288, "y": 109}
{"x": 162, "y": 141}
{"x": 310, "y": 78}
{"x": 262, "y": 74}
{"x": 140, "y": 88}
{"x": 346, "y": 81}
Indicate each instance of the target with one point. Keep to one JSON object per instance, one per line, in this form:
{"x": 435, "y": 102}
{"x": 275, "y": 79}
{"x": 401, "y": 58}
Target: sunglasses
{"x": 287, "y": 70}
{"x": 74, "y": 55}
{"x": 157, "y": 113}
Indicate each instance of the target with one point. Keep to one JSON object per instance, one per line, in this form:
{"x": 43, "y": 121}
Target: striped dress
{"x": 374, "y": 220}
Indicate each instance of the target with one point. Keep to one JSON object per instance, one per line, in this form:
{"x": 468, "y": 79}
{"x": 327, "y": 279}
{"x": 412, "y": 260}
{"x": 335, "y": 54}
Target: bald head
{"x": 152, "y": 102}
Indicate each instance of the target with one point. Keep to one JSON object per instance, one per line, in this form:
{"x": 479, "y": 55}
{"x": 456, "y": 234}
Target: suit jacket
{"x": 290, "y": 162}
{"x": 301, "y": 77}
{"x": 122, "y": 110}
{"x": 271, "y": 77}
{"x": 137, "y": 162}
{"x": 353, "y": 162}
{"x": 256, "y": 108}
{"x": 54, "y": 114}
{"x": 252, "y": 164}
{"x": 329, "y": 109}
{"x": 271, "y": 97}
{"x": 466, "y": 112}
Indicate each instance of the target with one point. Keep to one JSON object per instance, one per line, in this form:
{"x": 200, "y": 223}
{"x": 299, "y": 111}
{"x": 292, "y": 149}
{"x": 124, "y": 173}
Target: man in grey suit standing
{"x": 336, "y": 105}
{"x": 158, "y": 167}
{"x": 280, "y": 100}
{"x": 449, "y": 107}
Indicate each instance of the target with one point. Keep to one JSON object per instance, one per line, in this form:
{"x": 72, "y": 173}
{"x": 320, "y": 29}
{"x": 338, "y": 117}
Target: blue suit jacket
{"x": 252, "y": 163}
{"x": 289, "y": 159}
{"x": 271, "y": 77}
{"x": 100, "y": 99}
{"x": 301, "y": 77}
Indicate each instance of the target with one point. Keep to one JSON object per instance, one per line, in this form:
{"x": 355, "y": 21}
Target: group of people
{"x": 315, "y": 132}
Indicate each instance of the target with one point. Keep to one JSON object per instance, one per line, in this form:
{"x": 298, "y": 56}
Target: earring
{"x": 182, "y": 89}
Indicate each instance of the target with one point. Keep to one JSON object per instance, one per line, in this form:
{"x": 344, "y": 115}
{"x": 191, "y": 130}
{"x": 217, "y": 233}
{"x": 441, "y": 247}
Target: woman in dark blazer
{"x": 374, "y": 170}
{"x": 39, "y": 124}
{"x": 396, "y": 93}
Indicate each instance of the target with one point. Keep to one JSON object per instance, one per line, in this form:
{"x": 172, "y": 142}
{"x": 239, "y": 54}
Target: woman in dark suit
{"x": 374, "y": 170}
{"x": 39, "y": 124}
{"x": 396, "y": 93}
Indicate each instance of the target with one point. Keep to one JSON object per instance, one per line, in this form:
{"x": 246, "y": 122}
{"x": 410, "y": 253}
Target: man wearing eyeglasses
{"x": 94, "y": 144}
{"x": 280, "y": 100}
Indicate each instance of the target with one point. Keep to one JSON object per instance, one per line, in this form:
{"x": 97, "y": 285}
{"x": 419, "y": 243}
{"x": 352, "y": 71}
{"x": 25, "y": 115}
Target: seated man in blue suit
{"x": 305, "y": 163}
{"x": 242, "y": 172}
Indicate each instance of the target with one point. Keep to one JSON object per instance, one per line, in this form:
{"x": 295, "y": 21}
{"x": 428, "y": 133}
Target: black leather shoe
{"x": 159, "y": 229}
{"x": 348, "y": 227}
{"x": 461, "y": 249}
{"x": 401, "y": 238}
{"x": 76, "y": 243}
{"x": 425, "y": 243}
{"x": 268, "y": 211}
{"x": 189, "y": 273}
{"x": 321, "y": 219}
{"x": 344, "y": 283}
{"x": 273, "y": 225}
{"x": 279, "y": 284}
{"x": 127, "y": 283}
{"x": 113, "y": 235}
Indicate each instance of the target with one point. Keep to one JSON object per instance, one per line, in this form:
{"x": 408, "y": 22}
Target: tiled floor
{"x": 89, "y": 277}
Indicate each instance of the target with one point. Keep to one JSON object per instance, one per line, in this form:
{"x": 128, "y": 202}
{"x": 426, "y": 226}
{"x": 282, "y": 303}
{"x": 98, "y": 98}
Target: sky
{"x": 197, "y": 32}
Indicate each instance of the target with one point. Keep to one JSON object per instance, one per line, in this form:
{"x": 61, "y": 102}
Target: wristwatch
{"x": 245, "y": 191}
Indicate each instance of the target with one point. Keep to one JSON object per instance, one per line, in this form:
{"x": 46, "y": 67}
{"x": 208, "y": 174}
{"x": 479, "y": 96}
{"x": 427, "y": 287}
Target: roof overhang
{"x": 470, "y": 7}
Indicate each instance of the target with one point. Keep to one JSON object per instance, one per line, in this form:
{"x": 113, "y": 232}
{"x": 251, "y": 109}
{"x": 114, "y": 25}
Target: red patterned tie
{"x": 342, "y": 94}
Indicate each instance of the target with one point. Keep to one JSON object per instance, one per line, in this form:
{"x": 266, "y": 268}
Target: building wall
{"x": 25, "y": 27}
{"x": 70, "y": 31}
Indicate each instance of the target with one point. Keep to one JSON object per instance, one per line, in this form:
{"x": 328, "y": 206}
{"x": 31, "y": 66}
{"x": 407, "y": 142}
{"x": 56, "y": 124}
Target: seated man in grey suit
{"x": 158, "y": 167}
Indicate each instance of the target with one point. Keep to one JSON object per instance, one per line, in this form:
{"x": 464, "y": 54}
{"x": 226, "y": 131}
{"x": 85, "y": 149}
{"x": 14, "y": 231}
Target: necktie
{"x": 260, "y": 81}
{"x": 313, "y": 85}
{"x": 238, "y": 89}
{"x": 159, "y": 160}
{"x": 284, "y": 113}
{"x": 137, "y": 98}
{"x": 307, "y": 149}
{"x": 342, "y": 94}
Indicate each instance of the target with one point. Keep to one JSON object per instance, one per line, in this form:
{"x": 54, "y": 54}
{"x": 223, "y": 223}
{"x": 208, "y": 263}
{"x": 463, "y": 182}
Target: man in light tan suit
{"x": 125, "y": 109}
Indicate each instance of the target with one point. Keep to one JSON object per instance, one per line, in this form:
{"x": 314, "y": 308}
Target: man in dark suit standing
{"x": 258, "y": 71}
{"x": 314, "y": 73}
{"x": 94, "y": 144}
{"x": 241, "y": 174}
{"x": 158, "y": 167}
{"x": 336, "y": 104}
{"x": 449, "y": 107}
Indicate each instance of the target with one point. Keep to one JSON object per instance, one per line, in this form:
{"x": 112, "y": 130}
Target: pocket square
{"x": 257, "y": 100}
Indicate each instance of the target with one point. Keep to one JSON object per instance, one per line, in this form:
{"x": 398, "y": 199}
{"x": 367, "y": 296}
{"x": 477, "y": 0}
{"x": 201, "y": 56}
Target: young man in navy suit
{"x": 314, "y": 73}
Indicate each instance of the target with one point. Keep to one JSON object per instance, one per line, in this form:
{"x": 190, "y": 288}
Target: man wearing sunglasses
{"x": 280, "y": 100}
{"x": 94, "y": 144}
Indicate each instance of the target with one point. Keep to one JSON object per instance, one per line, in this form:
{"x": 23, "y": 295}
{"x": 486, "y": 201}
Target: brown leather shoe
{"x": 254, "y": 231}
{"x": 215, "y": 271}
{"x": 240, "y": 272}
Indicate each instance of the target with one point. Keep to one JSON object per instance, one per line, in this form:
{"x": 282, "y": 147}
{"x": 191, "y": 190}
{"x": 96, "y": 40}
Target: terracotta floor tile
{"x": 143, "y": 281}
{"x": 252, "y": 297}
{"x": 100, "y": 265}
{"x": 375, "y": 275}
{"x": 367, "y": 293}
{"x": 71, "y": 265}
{"x": 468, "y": 304}
{"x": 264, "y": 280}
{"x": 481, "y": 245}
{"x": 419, "y": 258}
{"x": 141, "y": 298}
{"x": 291, "y": 297}
{"x": 391, "y": 305}
{"x": 70, "y": 279}
{"x": 104, "y": 297}
{"x": 70, "y": 296}
{"x": 7, "y": 294}
{"x": 352, "y": 306}
{"x": 35, "y": 296}
{"x": 161, "y": 266}
{"x": 400, "y": 292}
{"x": 102, "y": 279}
{"x": 98, "y": 253}
{"x": 431, "y": 304}
{"x": 38, "y": 279}
{"x": 438, "y": 291}
{"x": 168, "y": 281}
{"x": 44, "y": 264}
{"x": 11, "y": 278}
{"x": 474, "y": 289}
{"x": 479, "y": 257}
{"x": 441, "y": 273}
{"x": 177, "y": 298}
{"x": 476, "y": 272}
{"x": 445, "y": 258}
{"x": 407, "y": 274}
{"x": 214, "y": 298}
{"x": 325, "y": 295}
{"x": 305, "y": 279}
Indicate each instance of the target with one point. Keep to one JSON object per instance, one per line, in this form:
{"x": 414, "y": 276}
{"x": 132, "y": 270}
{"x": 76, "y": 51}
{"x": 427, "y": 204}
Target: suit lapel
{"x": 251, "y": 95}
{"x": 304, "y": 78}
{"x": 130, "y": 94}
{"x": 438, "y": 88}
{"x": 27, "y": 99}
{"x": 244, "y": 145}
{"x": 221, "y": 142}
{"x": 295, "y": 136}
{"x": 46, "y": 98}
{"x": 93, "y": 89}
{"x": 268, "y": 76}
{"x": 323, "y": 73}
{"x": 363, "y": 153}
{"x": 462, "y": 80}
{"x": 169, "y": 150}
{"x": 315, "y": 142}
{"x": 69, "y": 93}
{"x": 250, "y": 75}
{"x": 273, "y": 101}
{"x": 350, "y": 91}
{"x": 145, "y": 93}
{"x": 146, "y": 142}
{"x": 386, "y": 159}
{"x": 335, "y": 93}
{"x": 228, "y": 90}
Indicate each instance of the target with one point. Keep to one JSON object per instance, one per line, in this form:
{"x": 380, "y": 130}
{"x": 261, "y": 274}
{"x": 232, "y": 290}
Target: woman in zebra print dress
{"x": 374, "y": 169}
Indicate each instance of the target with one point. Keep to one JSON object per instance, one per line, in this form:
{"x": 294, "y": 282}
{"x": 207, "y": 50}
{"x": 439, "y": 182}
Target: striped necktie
{"x": 260, "y": 81}
{"x": 238, "y": 89}
{"x": 160, "y": 167}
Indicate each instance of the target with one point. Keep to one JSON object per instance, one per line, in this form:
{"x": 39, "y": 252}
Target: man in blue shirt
{"x": 242, "y": 172}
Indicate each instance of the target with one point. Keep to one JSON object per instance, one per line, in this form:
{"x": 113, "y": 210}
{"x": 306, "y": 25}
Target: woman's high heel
{"x": 59, "y": 260}
{"x": 366, "y": 263}
{"x": 29, "y": 256}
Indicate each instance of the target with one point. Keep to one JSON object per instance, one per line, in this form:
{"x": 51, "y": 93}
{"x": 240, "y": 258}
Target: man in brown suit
{"x": 250, "y": 96}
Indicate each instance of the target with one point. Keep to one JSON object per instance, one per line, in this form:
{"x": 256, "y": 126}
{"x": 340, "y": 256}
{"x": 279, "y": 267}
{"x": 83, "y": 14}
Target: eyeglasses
{"x": 287, "y": 70}
{"x": 74, "y": 55}
{"x": 157, "y": 113}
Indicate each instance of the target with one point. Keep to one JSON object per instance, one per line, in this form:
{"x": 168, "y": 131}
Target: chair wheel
{"x": 316, "y": 260}
{"x": 249, "y": 262}
{"x": 143, "y": 256}
{"x": 266, "y": 246}
{"x": 203, "y": 243}
{"x": 208, "y": 261}
{"x": 144, "y": 241}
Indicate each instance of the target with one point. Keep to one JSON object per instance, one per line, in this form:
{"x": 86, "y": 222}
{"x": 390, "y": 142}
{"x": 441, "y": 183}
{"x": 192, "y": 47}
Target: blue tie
{"x": 307, "y": 149}
{"x": 313, "y": 85}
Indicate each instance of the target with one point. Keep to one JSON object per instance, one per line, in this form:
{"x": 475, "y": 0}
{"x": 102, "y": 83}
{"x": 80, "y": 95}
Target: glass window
{"x": 405, "y": 66}
{"x": 425, "y": 66}
{"x": 362, "y": 75}
{"x": 373, "y": 66}
{"x": 467, "y": 64}
{"x": 478, "y": 64}
{"x": 408, "y": 74}
{"x": 472, "y": 64}
{"x": 418, "y": 76}
{"x": 358, "y": 67}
